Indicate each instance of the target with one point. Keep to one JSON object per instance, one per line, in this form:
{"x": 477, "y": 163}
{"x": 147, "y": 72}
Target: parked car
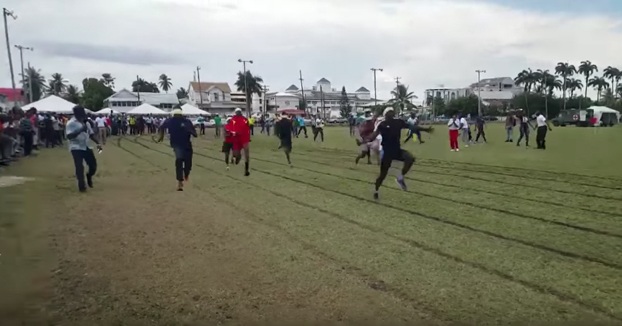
{"x": 196, "y": 124}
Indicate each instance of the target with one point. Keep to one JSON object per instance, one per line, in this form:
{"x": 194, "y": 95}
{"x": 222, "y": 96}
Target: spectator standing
{"x": 510, "y": 123}
{"x": 454, "y": 130}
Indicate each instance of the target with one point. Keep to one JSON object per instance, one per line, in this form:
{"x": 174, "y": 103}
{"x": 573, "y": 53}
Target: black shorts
{"x": 227, "y": 147}
{"x": 388, "y": 156}
{"x": 286, "y": 143}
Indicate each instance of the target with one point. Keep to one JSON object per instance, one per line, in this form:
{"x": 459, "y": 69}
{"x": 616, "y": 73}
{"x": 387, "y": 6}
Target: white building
{"x": 447, "y": 94}
{"x": 501, "y": 89}
{"x": 322, "y": 93}
{"x": 4, "y": 103}
{"x": 219, "y": 98}
{"x": 125, "y": 100}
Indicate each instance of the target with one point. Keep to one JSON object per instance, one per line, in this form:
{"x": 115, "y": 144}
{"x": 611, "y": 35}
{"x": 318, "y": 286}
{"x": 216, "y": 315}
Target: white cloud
{"x": 425, "y": 42}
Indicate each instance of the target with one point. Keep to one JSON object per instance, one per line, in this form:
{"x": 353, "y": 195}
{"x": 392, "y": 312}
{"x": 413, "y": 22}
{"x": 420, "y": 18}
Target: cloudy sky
{"x": 425, "y": 42}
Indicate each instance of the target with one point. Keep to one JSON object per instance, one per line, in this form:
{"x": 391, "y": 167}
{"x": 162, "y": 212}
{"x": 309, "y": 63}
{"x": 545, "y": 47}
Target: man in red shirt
{"x": 227, "y": 145}
{"x": 241, "y": 137}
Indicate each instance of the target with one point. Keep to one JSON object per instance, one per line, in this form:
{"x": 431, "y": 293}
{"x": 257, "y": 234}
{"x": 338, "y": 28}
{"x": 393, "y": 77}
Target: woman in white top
{"x": 464, "y": 124}
{"x": 454, "y": 127}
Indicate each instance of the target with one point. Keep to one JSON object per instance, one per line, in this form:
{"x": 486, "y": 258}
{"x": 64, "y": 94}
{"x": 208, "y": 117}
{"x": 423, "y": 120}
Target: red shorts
{"x": 239, "y": 145}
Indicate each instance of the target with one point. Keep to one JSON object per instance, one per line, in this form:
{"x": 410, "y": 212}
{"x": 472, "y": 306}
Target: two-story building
{"x": 321, "y": 97}
{"x": 125, "y": 100}
{"x": 218, "y": 98}
{"x": 490, "y": 89}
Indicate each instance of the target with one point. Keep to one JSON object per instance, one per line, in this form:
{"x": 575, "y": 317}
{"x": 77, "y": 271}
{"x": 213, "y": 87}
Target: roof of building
{"x": 491, "y": 81}
{"x": 292, "y": 88}
{"x": 362, "y": 90}
{"x": 12, "y": 97}
{"x": 323, "y": 80}
{"x": 151, "y": 98}
{"x": 285, "y": 94}
{"x": 223, "y": 86}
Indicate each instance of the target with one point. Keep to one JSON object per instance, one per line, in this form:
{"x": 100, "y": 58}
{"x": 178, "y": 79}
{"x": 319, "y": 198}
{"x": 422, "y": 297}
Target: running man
{"x": 227, "y": 144}
{"x": 284, "y": 127}
{"x": 79, "y": 131}
{"x": 391, "y": 129}
{"x": 241, "y": 138}
{"x": 365, "y": 130}
{"x": 524, "y": 127}
{"x": 180, "y": 129}
{"x": 413, "y": 123}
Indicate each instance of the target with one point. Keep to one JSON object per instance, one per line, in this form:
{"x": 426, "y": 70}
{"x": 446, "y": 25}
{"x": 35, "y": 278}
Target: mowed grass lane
{"x": 563, "y": 254}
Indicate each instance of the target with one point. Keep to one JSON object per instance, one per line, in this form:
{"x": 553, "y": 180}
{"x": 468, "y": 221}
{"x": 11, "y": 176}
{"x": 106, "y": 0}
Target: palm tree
{"x": 614, "y": 74}
{"x": 182, "y": 93}
{"x": 73, "y": 94}
{"x": 550, "y": 84}
{"x": 599, "y": 83}
{"x": 587, "y": 69}
{"x": 254, "y": 87}
{"x": 34, "y": 83}
{"x": 165, "y": 82}
{"x": 565, "y": 70}
{"x": 574, "y": 84}
{"x": 57, "y": 85}
{"x": 526, "y": 78}
{"x": 609, "y": 98}
{"x": 402, "y": 98}
{"x": 619, "y": 90}
{"x": 108, "y": 80}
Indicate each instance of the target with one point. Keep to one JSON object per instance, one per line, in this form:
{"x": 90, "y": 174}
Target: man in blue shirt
{"x": 78, "y": 131}
{"x": 180, "y": 129}
{"x": 301, "y": 126}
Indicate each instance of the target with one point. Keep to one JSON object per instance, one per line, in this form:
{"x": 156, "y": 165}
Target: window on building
{"x": 260, "y": 101}
{"x": 216, "y": 97}
{"x": 286, "y": 102}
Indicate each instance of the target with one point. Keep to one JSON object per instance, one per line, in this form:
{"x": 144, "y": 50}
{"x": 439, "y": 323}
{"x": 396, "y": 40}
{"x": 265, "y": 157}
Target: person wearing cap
{"x": 79, "y": 131}
{"x": 241, "y": 139}
{"x": 180, "y": 130}
{"x": 391, "y": 131}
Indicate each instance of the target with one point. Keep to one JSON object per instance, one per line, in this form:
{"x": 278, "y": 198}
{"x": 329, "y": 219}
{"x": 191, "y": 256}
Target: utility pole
{"x": 321, "y": 100}
{"x": 265, "y": 99}
{"x": 5, "y": 13}
{"x": 479, "y": 91}
{"x": 246, "y": 94}
{"x": 375, "y": 94}
{"x": 198, "y": 72}
{"x": 21, "y": 58}
{"x": 302, "y": 90}
{"x": 138, "y": 87}
{"x": 194, "y": 76}
{"x": 397, "y": 84}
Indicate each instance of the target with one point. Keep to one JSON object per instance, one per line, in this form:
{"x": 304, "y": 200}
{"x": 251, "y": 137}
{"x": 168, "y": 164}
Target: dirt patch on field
{"x": 7, "y": 181}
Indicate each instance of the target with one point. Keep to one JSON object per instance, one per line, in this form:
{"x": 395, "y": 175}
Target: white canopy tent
{"x": 107, "y": 111}
{"x": 146, "y": 109}
{"x": 189, "y": 109}
{"x": 52, "y": 103}
{"x": 605, "y": 115}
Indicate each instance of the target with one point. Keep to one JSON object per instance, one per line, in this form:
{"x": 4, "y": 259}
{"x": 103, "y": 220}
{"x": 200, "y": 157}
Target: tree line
{"x": 93, "y": 91}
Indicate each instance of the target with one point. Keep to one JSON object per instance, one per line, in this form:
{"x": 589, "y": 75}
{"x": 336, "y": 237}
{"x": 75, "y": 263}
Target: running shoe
{"x": 401, "y": 183}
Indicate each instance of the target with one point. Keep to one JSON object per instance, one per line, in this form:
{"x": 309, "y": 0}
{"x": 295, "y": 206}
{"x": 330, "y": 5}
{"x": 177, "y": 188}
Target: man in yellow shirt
{"x": 251, "y": 124}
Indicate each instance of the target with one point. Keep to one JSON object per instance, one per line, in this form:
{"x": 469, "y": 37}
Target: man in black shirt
{"x": 284, "y": 127}
{"x": 391, "y": 131}
{"x": 180, "y": 130}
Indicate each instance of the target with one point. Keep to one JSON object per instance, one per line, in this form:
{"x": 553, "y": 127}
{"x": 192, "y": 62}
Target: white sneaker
{"x": 227, "y": 168}
{"x": 453, "y": 150}
{"x": 457, "y": 149}
{"x": 466, "y": 145}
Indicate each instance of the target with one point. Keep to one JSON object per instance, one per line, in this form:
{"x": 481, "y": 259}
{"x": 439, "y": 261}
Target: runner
{"x": 78, "y": 133}
{"x": 241, "y": 138}
{"x": 180, "y": 129}
{"x": 524, "y": 127}
{"x": 391, "y": 129}
{"x": 365, "y": 130}
{"x": 284, "y": 127}
{"x": 413, "y": 123}
{"x": 227, "y": 144}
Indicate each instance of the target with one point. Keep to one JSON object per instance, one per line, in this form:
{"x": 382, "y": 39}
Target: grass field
{"x": 494, "y": 234}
